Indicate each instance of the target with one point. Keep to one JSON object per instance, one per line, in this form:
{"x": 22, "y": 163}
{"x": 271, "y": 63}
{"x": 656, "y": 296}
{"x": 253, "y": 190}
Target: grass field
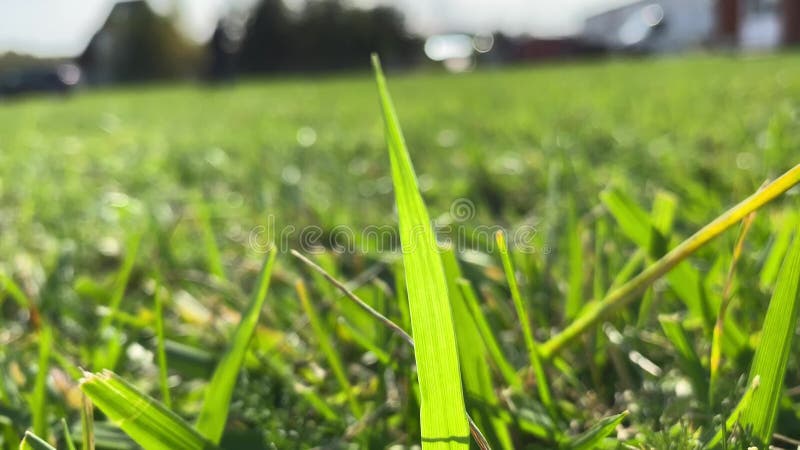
{"x": 111, "y": 198}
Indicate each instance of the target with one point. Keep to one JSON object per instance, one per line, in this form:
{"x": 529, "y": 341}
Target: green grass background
{"x": 81, "y": 175}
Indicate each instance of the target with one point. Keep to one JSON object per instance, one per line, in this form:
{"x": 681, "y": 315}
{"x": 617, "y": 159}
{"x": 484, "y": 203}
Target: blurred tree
{"x": 137, "y": 44}
{"x": 324, "y": 35}
{"x": 267, "y": 41}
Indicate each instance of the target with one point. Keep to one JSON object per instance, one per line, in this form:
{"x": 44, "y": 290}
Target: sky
{"x": 51, "y": 28}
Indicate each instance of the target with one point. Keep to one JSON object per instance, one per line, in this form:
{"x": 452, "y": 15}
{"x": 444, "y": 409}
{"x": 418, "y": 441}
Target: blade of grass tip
{"x": 160, "y": 350}
{"x": 67, "y": 435}
{"x": 619, "y": 297}
{"x": 323, "y": 339}
{"x": 39, "y": 395}
{"x": 522, "y": 314}
{"x": 141, "y": 417}
{"x": 398, "y": 330}
{"x": 214, "y": 413}
{"x": 592, "y": 437}
{"x": 443, "y": 415}
{"x": 716, "y": 339}
{"x": 492, "y": 346}
{"x": 772, "y": 353}
{"x": 87, "y": 423}
{"x": 34, "y": 442}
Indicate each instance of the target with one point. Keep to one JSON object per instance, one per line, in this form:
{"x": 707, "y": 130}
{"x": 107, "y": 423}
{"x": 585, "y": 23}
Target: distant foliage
{"x": 136, "y": 44}
{"x": 325, "y": 35}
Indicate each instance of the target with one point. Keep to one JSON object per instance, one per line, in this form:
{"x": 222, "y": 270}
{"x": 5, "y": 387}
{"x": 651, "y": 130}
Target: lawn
{"x": 110, "y": 198}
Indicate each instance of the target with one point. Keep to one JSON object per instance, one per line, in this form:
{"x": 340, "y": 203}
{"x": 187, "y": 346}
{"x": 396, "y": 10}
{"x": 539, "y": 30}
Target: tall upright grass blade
{"x": 144, "y": 419}
{"x": 716, "y": 338}
{"x": 33, "y": 442}
{"x": 67, "y": 434}
{"x": 442, "y": 413}
{"x": 39, "y": 395}
{"x": 398, "y": 330}
{"x": 214, "y": 414}
{"x": 473, "y": 357}
{"x": 772, "y": 264}
{"x": 616, "y": 299}
{"x": 522, "y": 314}
{"x": 772, "y": 353}
{"x": 489, "y": 339}
{"x": 108, "y": 356}
{"x": 160, "y": 350}
{"x": 328, "y": 349}
{"x": 87, "y": 423}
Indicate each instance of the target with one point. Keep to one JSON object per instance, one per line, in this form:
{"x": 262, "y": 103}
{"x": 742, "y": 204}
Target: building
{"x": 652, "y": 26}
{"x": 674, "y": 25}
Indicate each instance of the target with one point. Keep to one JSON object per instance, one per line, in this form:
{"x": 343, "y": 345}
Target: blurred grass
{"x": 200, "y": 168}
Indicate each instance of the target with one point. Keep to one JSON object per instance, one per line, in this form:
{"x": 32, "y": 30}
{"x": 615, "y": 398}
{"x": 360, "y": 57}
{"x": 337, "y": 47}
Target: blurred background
{"x": 57, "y": 46}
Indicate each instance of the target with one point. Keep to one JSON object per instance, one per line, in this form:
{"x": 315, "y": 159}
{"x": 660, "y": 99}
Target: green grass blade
{"x": 522, "y": 314}
{"x": 489, "y": 339}
{"x": 7, "y": 284}
{"x": 473, "y": 356}
{"x": 34, "y": 442}
{"x": 87, "y": 423}
{"x": 160, "y": 351}
{"x": 592, "y": 437}
{"x": 328, "y": 349}
{"x": 735, "y": 415}
{"x": 620, "y": 297}
{"x": 213, "y": 259}
{"x": 121, "y": 283}
{"x": 716, "y": 338}
{"x": 214, "y": 414}
{"x": 772, "y": 353}
{"x": 633, "y": 221}
{"x": 398, "y": 330}
{"x": 67, "y": 435}
{"x": 39, "y": 395}
{"x": 144, "y": 419}
{"x": 442, "y": 412}
{"x": 576, "y": 257}
{"x": 688, "y": 360}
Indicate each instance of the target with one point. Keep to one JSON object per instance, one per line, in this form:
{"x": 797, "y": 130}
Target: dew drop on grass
{"x": 447, "y": 138}
{"x": 306, "y": 136}
{"x": 291, "y": 175}
{"x": 216, "y": 157}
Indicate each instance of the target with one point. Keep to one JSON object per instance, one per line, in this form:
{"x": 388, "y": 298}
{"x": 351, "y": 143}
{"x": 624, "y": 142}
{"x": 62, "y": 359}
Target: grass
{"x": 134, "y": 221}
{"x": 443, "y": 417}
